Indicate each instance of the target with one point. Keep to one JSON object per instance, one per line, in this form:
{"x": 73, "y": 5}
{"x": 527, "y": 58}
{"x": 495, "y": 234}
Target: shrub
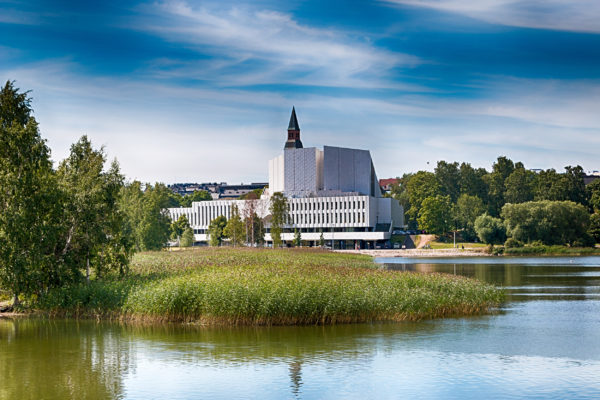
{"x": 512, "y": 243}
{"x": 585, "y": 241}
{"x": 490, "y": 230}
{"x": 550, "y": 222}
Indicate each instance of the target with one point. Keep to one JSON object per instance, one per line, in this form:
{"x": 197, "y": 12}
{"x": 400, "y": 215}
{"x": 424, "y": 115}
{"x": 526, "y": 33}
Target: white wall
{"x": 276, "y": 175}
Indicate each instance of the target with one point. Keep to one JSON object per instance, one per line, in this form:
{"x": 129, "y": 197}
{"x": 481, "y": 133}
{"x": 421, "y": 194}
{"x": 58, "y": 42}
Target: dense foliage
{"x": 490, "y": 230}
{"x": 550, "y": 222}
{"x": 279, "y": 216}
{"x": 473, "y": 192}
{"x": 234, "y": 229}
{"x": 216, "y": 230}
{"x": 58, "y": 227}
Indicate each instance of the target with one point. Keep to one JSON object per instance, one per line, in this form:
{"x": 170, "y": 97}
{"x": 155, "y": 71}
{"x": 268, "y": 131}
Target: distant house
{"x": 217, "y": 190}
{"x": 386, "y": 184}
{"x": 591, "y": 177}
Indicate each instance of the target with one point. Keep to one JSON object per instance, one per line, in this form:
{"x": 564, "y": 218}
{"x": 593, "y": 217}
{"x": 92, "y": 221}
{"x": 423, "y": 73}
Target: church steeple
{"x": 293, "y": 139}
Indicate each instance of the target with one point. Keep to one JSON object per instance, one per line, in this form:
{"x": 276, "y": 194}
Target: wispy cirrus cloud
{"x": 246, "y": 46}
{"x": 571, "y": 15}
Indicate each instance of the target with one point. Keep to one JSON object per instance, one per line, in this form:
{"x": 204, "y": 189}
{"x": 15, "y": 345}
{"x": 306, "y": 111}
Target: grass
{"x": 551, "y": 250}
{"x": 468, "y": 245}
{"x": 270, "y": 287}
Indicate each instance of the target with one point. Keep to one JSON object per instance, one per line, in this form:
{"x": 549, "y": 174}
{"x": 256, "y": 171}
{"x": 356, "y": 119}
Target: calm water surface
{"x": 543, "y": 343}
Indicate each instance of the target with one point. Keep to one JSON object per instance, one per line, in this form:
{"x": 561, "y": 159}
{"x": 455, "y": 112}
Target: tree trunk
{"x": 16, "y": 301}
{"x": 87, "y": 270}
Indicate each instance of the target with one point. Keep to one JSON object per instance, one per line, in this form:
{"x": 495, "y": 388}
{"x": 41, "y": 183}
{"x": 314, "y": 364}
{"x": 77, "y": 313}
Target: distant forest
{"x": 454, "y": 195}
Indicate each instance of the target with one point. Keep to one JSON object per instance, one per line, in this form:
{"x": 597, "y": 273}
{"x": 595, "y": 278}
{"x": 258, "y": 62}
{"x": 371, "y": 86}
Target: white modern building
{"x": 333, "y": 192}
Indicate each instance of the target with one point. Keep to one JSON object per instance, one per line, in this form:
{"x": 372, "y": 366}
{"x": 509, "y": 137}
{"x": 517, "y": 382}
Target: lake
{"x": 543, "y": 343}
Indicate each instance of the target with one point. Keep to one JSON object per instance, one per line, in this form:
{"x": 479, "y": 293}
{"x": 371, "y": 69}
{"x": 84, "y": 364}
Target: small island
{"x": 246, "y": 286}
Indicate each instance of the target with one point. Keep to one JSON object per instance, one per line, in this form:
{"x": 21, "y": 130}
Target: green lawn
{"x": 467, "y": 245}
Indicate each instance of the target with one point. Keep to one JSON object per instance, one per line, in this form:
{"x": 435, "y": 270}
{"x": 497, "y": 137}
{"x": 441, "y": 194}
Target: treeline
{"x": 60, "y": 225}
{"x": 455, "y": 195}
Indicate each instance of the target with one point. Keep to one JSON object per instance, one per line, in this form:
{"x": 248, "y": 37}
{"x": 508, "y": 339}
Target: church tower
{"x": 293, "y": 139}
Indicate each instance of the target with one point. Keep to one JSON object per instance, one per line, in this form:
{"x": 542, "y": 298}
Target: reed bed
{"x": 273, "y": 287}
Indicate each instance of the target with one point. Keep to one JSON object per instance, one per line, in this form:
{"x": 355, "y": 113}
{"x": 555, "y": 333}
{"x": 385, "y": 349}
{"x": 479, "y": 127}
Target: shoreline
{"x": 409, "y": 253}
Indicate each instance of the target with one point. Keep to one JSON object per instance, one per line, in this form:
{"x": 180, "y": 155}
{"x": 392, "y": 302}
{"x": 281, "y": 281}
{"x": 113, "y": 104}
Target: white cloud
{"x": 172, "y": 133}
{"x": 264, "y": 47}
{"x": 570, "y": 15}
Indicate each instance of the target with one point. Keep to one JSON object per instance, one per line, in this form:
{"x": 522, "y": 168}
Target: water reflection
{"x": 56, "y": 359}
{"x": 296, "y": 376}
{"x": 524, "y": 278}
{"x": 545, "y": 342}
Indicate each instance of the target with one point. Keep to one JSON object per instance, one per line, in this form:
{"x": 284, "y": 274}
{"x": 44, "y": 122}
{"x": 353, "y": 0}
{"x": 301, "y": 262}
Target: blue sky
{"x": 202, "y": 91}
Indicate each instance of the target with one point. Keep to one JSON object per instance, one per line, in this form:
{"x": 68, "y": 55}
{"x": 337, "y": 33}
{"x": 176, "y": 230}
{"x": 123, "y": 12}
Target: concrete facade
{"x": 333, "y": 192}
{"x": 353, "y": 218}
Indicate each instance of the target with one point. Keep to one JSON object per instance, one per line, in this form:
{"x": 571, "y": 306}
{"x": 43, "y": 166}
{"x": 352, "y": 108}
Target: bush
{"x": 490, "y": 230}
{"x": 550, "y": 222}
{"x": 585, "y": 241}
{"x": 512, "y": 243}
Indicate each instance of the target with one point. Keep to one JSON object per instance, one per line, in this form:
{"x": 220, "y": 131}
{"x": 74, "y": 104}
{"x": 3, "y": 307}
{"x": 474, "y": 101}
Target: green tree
{"x": 146, "y": 217}
{"x": 421, "y": 186}
{"x": 215, "y": 230}
{"x": 550, "y": 185}
{"x": 92, "y": 215}
{"x": 575, "y": 185}
{"x": 198, "y": 195}
{"x": 472, "y": 182}
{"x": 594, "y": 229}
{"x": 551, "y": 222}
{"x": 399, "y": 191}
{"x": 178, "y": 227}
{"x": 155, "y": 223}
{"x": 496, "y": 184}
{"x": 187, "y": 238}
{"x": 435, "y": 215}
{"x": 297, "y": 238}
{"x": 15, "y": 107}
{"x": 504, "y": 167}
{"x": 448, "y": 176}
{"x": 253, "y": 194}
{"x": 466, "y": 210}
{"x": 257, "y": 229}
{"x": 593, "y": 193}
{"x": 490, "y": 230}
{"x": 234, "y": 229}
{"x": 29, "y": 199}
{"x": 520, "y": 186}
{"x": 279, "y": 216}
{"x": 175, "y": 200}
{"x": 253, "y": 224}
{"x": 321, "y": 239}
{"x": 120, "y": 243}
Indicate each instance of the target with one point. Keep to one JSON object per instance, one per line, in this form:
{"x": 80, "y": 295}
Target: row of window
{"x": 354, "y": 217}
{"x": 328, "y": 204}
{"x": 307, "y": 212}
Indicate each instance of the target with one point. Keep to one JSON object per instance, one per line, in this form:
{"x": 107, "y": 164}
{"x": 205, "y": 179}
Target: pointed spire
{"x": 293, "y": 126}
{"x": 293, "y": 139}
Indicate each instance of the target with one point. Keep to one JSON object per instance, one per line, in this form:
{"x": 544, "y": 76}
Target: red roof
{"x": 390, "y": 181}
